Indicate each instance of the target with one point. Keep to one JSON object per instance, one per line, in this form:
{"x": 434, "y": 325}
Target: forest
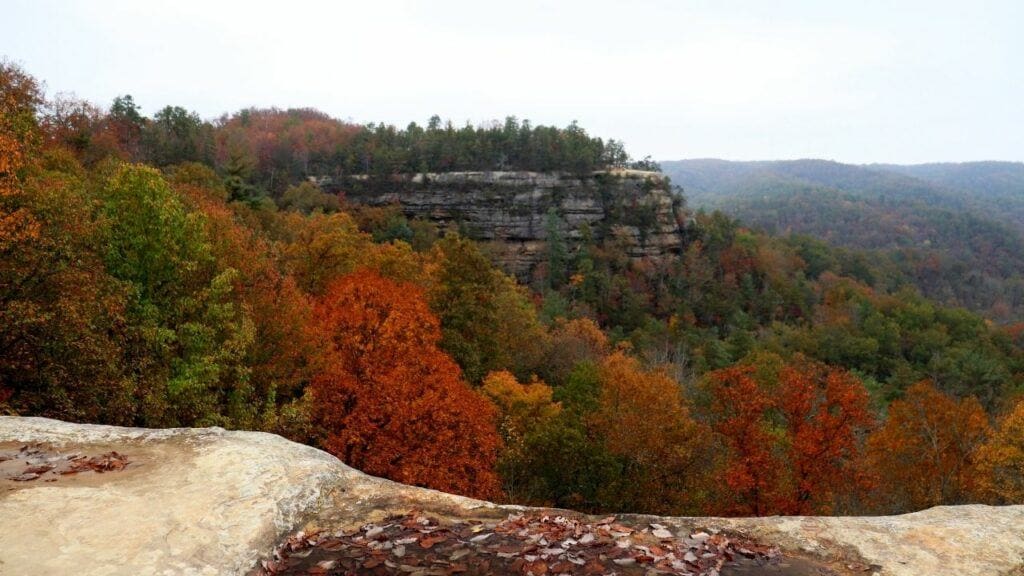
{"x": 172, "y": 271}
{"x": 955, "y": 232}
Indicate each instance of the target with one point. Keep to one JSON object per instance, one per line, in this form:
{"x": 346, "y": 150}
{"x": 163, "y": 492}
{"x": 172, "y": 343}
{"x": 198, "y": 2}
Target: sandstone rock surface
{"x": 191, "y": 501}
{"x": 509, "y": 211}
{"x": 209, "y": 501}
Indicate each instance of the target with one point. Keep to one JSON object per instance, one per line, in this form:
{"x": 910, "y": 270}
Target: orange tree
{"x": 643, "y": 421}
{"x": 387, "y": 400}
{"x": 1001, "y": 460}
{"x": 791, "y": 436}
{"x": 925, "y": 454}
{"x": 752, "y": 468}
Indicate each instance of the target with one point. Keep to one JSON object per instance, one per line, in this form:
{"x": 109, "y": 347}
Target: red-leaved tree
{"x": 388, "y": 401}
{"x": 793, "y": 437}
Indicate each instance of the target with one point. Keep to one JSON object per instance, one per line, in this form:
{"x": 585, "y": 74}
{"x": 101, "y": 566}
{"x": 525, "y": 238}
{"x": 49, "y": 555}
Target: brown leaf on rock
{"x": 521, "y": 544}
{"x": 429, "y": 541}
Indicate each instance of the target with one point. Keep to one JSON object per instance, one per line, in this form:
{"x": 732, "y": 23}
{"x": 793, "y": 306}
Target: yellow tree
{"x": 320, "y": 248}
{"x": 523, "y": 409}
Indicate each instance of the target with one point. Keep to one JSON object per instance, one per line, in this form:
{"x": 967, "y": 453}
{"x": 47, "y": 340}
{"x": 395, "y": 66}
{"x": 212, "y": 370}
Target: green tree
{"x": 176, "y": 135}
{"x": 187, "y": 336}
{"x": 487, "y": 321}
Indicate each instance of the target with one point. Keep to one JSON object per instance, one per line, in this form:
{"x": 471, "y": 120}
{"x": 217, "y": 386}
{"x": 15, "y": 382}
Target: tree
{"x": 523, "y": 408}
{"x": 175, "y": 135}
{"x": 926, "y": 452}
{"x": 792, "y": 432}
{"x": 279, "y": 311}
{"x": 826, "y": 411}
{"x": 643, "y": 420}
{"x": 59, "y": 312}
{"x": 572, "y": 342}
{"x": 127, "y": 124}
{"x": 81, "y": 127}
{"x": 388, "y": 400}
{"x": 20, "y": 100}
{"x": 1001, "y": 460}
{"x": 753, "y": 468}
{"x": 557, "y": 253}
{"x": 307, "y": 197}
{"x": 187, "y": 335}
{"x": 321, "y": 248}
{"x": 61, "y": 315}
{"x": 488, "y": 322}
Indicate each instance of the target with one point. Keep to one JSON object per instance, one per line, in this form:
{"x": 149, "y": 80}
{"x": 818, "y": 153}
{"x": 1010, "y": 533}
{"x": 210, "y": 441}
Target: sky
{"x": 859, "y": 81}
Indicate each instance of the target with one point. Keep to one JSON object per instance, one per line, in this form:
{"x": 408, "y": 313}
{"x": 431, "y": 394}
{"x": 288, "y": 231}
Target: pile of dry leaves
{"x": 32, "y": 462}
{"x": 415, "y": 545}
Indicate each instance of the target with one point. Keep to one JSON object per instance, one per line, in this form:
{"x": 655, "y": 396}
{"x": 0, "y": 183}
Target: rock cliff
{"x": 514, "y": 212}
{"x": 84, "y": 499}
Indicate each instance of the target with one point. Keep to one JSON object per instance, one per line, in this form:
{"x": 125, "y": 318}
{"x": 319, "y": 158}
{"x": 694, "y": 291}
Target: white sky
{"x": 856, "y": 81}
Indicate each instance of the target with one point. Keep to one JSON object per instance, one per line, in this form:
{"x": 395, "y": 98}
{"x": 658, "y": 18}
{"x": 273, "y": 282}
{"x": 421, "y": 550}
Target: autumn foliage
{"x": 523, "y": 407}
{"x": 388, "y": 401}
{"x": 643, "y": 419}
{"x": 174, "y": 271}
{"x": 1001, "y": 460}
{"x": 926, "y": 452}
{"x": 792, "y": 436}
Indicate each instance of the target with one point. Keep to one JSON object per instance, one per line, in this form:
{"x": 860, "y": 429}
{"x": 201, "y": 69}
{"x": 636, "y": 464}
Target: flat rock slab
{"x": 210, "y": 501}
{"x": 959, "y": 540}
{"x": 199, "y": 501}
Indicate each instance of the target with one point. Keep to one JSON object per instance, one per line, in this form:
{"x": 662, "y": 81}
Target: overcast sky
{"x": 857, "y": 81}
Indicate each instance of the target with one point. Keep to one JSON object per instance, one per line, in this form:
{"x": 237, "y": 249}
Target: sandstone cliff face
{"x": 509, "y": 211}
{"x": 209, "y": 501}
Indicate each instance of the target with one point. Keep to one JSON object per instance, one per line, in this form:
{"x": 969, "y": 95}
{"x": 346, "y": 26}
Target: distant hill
{"x": 993, "y": 188}
{"x": 708, "y": 180}
{"x": 956, "y": 231}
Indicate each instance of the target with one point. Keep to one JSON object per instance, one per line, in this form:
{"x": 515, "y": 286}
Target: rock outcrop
{"x": 514, "y": 212}
{"x": 209, "y": 501}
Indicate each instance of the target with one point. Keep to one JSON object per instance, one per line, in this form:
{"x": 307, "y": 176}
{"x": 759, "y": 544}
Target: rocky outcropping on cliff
{"x": 515, "y": 212}
{"x": 83, "y": 499}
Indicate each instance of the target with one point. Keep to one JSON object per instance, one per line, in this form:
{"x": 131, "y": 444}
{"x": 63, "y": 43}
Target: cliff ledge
{"x": 88, "y": 499}
{"x": 514, "y": 213}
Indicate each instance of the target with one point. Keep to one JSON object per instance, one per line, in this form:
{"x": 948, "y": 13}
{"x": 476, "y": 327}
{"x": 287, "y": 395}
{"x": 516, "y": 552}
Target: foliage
{"x": 1000, "y": 460}
{"x": 382, "y": 149}
{"x": 388, "y": 400}
{"x": 277, "y": 308}
{"x": 792, "y": 433}
{"x": 642, "y": 419}
{"x": 952, "y": 231}
{"x": 740, "y": 376}
{"x": 319, "y": 248}
{"x": 307, "y": 197}
{"x": 926, "y": 452}
{"x": 187, "y": 336}
{"x": 487, "y": 322}
{"x": 174, "y": 136}
{"x": 523, "y": 408}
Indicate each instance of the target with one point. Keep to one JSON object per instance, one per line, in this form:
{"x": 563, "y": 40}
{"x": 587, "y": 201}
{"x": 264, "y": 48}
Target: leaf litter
{"x": 523, "y": 544}
{"x": 34, "y": 462}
